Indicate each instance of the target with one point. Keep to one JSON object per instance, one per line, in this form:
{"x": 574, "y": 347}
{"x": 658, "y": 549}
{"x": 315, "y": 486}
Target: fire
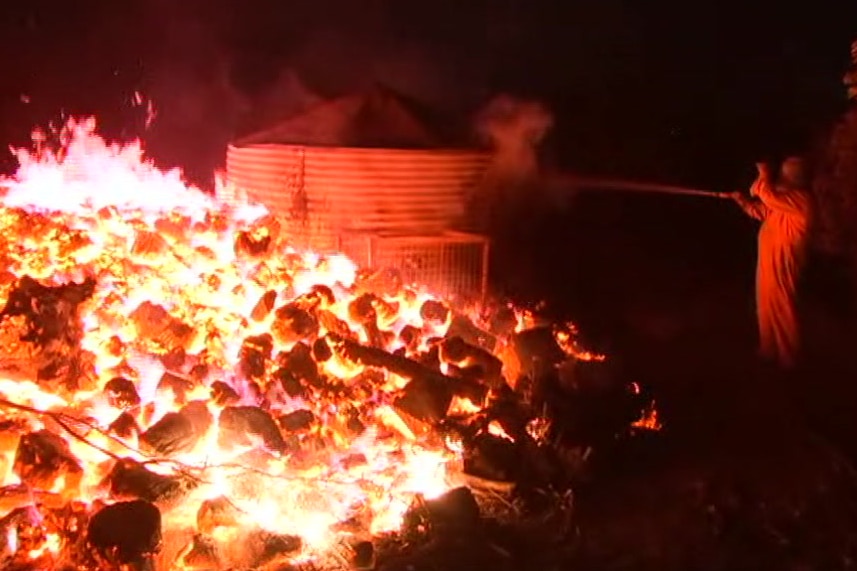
{"x": 215, "y": 363}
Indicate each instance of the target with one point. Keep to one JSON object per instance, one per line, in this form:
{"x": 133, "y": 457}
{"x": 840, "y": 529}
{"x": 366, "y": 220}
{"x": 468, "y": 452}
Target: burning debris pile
{"x": 179, "y": 389}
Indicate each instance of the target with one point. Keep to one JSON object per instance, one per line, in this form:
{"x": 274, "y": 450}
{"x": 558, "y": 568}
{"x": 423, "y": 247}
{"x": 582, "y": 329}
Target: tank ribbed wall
{"x": 327, "y": 191}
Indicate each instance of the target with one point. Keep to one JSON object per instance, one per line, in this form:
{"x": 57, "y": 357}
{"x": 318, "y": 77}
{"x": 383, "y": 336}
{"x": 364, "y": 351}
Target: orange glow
{"x": 187, "y": 292}
{"x": 149, "y": 240}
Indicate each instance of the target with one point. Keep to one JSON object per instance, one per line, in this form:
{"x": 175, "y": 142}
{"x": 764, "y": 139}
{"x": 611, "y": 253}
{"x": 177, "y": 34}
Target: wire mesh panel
{"x": 453, "y": 264}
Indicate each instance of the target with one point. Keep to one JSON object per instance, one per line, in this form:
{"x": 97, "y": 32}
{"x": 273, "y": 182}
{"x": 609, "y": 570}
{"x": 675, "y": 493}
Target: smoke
{"x": 189, "y": 81}
{"x": 514, "y": 128}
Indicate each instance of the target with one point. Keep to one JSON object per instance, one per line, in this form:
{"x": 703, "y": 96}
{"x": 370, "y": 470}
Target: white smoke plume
{"x": 514, "y": 128}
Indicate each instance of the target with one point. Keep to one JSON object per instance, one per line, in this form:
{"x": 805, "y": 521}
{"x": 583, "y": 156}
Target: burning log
{"x": 492, "y": 458}
{"x": 174, "y": 359}
{"x": 121, "y": 393}
{"x": 41, "y": 333}
{"x": 240, "y": 425}
{"x": 292, "y": 324}
{"x": 300, "y": 363}
{"x": 321, "y": 351}
{"x": 364, "y": 556}
{"x": 154, "y": 324}
{"x": 264, "y": 306}
{"x": 454, "y": 511}
{"x": 258, "y": 240}
{"x": 253, "y": 246}
{"x": 43, "y": 459}
{"x": 290, "y": 383}
{"x": 463, "y": 327}
{"x": 25, "y": 526}
{"x": 173, "y": 434}
{"x": 223, "y": 394}
{"x": 131, "y": 480}
{"x": 332, "y": 324}
{"x": 178, "y": 431}
{"x": 20, "y": 495}
{"x": 362, "y": 310}
{"x": 428, "y": 394}
{"x": 178, "y": 385}
{"x": 218, "y": 512}
{"x": 426, "y": 397}
{"x": 297, "y": 421}
{"x": 411, "y": 337}
{"x": 125, "y": 426}
{"x": 149, "y": 244}
{"x": 537, "y": 350}
{"x": 200, "y": 554}
{"x": 456, "y": 351}
{"x": 263, "y": 547}
{"x": 434, "y": 312}
{"x": 125, "y": 534}
{"x": 254, "y": 355}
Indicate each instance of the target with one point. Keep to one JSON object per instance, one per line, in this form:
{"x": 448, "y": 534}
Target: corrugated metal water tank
{"x": 324, "y": 192}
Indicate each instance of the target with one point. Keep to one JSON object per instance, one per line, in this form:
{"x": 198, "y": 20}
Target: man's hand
{"x": 737, "y": 196}
{"x": 763, "y": 169}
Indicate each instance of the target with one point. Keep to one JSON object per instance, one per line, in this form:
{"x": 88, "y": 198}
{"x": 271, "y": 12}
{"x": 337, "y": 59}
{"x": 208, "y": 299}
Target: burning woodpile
{"x": 180, "y": 390}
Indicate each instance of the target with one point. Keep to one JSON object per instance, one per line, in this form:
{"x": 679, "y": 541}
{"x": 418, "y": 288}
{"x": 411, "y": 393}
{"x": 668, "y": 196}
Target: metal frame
{"x": 350, "y": 244}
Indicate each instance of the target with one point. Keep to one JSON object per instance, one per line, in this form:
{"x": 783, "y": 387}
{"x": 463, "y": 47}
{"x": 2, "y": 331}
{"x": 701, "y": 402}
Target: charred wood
{"x": 362, "y": 310}
{"x": 463, "y": 327}
{"x": 20, "y": 495}
{"x": 290, "y": 383}
{"x": 434, "y": 312}
{"x": 292, "y": 324}
{"x": 41, "y": 333}
{"x": 131, "y": 480}
{"x": 124, "y": 426}
{"x": 43, "y": 459}
{"x": 241, "y": 425}
{"x": 321, "y": 351}
{"x": 154, "y": 324}
{"x": 363, "y": 557}
{"x": 178, "y": 385}
{"x": 200, "y": 554}
{"x": 300, "y": 362}
{"x": 297, "y": 421}
{"x": 126, "y": 533}
{"x": 254, "y": 355}
{"x": 456, "y": 510}
{"x": 223, "y": 394}
{"x": 264, "y": 547}
{"x": 121, "y": 393}
{"x": 215, "y": 513}
{"x": 537, "y": 351}
{"x": 172, "y": 434}
{"x": 492, "y": 458}
{"x": 253, "y": 244}
{"x": 179, "y": 431}
{"x": 264, "y": 306}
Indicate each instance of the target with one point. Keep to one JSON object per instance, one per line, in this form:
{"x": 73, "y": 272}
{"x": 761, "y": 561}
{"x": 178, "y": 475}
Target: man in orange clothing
{"x": 783, "y": 207}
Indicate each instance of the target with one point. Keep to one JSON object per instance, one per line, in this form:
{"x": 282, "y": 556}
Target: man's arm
{"x": 792, "y": 201}
{"x": 754, "y": 207}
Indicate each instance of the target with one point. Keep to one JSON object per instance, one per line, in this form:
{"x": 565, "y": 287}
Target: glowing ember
{"x": 176, "y": 382}
{"x": 214, "y": 363}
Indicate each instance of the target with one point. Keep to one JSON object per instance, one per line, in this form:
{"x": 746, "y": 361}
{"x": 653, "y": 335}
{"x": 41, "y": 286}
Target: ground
{"x": 753, "y": 469}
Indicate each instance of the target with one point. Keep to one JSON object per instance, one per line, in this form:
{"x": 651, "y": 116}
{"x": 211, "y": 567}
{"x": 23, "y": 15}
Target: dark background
{"x": 675, "y": 91}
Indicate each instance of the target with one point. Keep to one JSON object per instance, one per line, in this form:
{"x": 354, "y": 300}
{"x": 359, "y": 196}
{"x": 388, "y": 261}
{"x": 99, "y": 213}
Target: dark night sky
{"x": 675, "y": 90}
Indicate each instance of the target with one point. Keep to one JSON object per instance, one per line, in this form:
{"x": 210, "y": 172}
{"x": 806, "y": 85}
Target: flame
{"x": 152, "y": 245}
{"x": 100, "y": 210}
